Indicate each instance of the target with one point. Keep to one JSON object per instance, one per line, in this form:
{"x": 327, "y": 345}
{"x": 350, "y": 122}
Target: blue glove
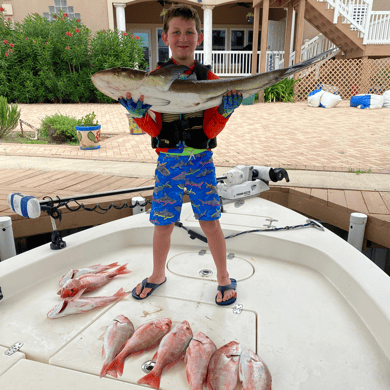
{"x": 136, "y": 110}
{"x": 229, "y": 104}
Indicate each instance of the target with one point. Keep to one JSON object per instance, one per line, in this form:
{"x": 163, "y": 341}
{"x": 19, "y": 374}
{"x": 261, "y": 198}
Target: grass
{"x": 359, "y": 171}
{"x": 16, "y": 139}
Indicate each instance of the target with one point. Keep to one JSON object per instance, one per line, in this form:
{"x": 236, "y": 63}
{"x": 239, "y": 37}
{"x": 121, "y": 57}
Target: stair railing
{"x": 378, "y": 31}
{"x": 355, "y": 12}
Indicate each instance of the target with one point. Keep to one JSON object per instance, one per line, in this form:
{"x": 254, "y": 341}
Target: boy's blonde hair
{"x": 184, "y": 11}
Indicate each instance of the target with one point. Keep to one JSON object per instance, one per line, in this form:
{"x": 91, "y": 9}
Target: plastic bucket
{"x": 89, "y": 137}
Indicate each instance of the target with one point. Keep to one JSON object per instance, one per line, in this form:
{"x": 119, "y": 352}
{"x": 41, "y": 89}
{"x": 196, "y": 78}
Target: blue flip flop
{"x": 231, "y": 286}
{"x": 145, "y": 284}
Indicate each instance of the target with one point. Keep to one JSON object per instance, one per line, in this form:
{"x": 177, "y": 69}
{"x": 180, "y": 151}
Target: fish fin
{"x": 101, "y": 337}
{"x": 163, "y": 78}
{"x": 122, "y": 270}
{"x": 113, "y": 265}
{"x": 153, "y": 101}
{"x": 192, "y": 77}
{"x": 120, "y": 293}
{"x": 105, "y": 370}
{"x": 154, "y": 358}
{"x": 116, "y": 367}
{"x": 78, "y": 295}
{"x": 103, "y": 351}
{"x": 152, "y": 379}
{"x": 170, "y": 365}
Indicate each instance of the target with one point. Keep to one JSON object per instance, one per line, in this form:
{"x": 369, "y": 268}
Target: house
{"x": 295, "y": 28}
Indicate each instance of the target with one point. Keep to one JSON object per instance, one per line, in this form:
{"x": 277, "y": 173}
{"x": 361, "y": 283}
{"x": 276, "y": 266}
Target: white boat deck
{"x": 314, "y": 309}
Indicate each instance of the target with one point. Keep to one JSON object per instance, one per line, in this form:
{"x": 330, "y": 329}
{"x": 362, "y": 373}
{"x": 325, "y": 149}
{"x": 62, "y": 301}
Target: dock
{"x": 332, "y": 206}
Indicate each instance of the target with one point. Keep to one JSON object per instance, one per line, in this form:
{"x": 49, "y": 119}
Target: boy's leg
{"x": 217, "y": 245}
{"x": 161, "y": 245}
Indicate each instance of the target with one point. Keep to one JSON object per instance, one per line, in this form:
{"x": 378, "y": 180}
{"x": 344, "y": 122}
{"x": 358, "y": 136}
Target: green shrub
{"x": 283, "y": 91}
{"x": 42, "y": 61}
{"x": 59, "y": 128}
{"x": 9, "y": 117}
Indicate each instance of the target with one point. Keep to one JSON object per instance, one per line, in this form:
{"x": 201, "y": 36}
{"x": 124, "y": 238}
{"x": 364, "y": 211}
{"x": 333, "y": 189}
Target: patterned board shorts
{"x": 197, "y": 174}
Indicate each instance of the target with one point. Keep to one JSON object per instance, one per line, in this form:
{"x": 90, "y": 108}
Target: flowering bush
{"x": 53, "y": 61}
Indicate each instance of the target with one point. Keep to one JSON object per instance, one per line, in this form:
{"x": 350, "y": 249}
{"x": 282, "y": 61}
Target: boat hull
{"x": 314, "y": 309}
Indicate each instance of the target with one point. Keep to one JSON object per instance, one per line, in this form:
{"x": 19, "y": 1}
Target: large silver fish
{"x": 168, "y": 94}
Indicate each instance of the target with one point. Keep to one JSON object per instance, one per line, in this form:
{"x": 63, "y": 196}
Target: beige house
{"x": 294, "y": 28}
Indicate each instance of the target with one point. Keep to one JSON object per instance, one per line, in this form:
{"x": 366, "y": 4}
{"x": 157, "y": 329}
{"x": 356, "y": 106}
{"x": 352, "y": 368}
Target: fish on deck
{"x": 166, "y": 93}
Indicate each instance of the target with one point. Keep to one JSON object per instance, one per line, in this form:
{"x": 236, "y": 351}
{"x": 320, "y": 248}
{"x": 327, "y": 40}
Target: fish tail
{"x": 121, "y": 270}
{"x": 152, "y": 379}
{"x": 103, "y": 372}
{"x": 113, "y": 265}
{"x": 115, "y": 367}
{"x": 120, "y": 293}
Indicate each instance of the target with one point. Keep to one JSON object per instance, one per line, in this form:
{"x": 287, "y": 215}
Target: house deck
{"x": 327, "y": 205}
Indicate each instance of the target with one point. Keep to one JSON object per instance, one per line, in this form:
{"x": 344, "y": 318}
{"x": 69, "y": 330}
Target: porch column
{"x": 207, "y": 34}
{"x": 287, "y": 44}
{"x": 299, "y": 34}
{"x": 255, "y": 42}
{"x": 264, "y": 36}
{"x": 120, "y": 16}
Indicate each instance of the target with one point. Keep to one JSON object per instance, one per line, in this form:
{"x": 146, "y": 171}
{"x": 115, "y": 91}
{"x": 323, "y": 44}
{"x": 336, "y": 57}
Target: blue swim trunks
{"x": 197, "y": 174}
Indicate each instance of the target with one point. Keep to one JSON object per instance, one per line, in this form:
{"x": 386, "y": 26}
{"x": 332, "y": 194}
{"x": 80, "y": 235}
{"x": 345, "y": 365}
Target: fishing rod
{"x": 240, "y": 182}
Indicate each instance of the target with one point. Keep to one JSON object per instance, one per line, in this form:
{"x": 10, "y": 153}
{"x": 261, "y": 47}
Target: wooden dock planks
{"x": 328, "y": 205}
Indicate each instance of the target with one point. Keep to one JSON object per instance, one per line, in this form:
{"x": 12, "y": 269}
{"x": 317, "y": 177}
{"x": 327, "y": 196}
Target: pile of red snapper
{"x": 218, "y": 369}
{"x": 77, "y": 282}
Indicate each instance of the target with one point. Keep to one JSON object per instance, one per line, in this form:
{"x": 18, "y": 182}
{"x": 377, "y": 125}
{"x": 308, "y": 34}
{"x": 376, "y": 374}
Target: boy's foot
{"x": 227, "y": 293}
{"x": 145, "y": 288}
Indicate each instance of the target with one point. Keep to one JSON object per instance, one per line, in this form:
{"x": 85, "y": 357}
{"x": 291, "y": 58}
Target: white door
{"x": 276, "y": 35}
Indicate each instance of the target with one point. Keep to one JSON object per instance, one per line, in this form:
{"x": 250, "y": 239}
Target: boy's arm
{"x": 213, "y": 122}
{"x": 148, "y": 125}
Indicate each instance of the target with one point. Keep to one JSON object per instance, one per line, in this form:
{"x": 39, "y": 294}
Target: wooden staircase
{"x": 321, "y": 16}
{"x": 317, "y": 14}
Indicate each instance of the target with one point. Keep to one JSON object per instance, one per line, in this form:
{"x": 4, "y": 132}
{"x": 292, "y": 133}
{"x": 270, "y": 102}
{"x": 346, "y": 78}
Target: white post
{"x": 7, "y": 242}
{"x": 138, "y": 209}
{"x": 120, "y": 16}
{"x": 207, "y": 34}
{"x": 357, "y": 225}
{"x": 320, "y": 46}
{"x": 292, "y": 48}
{"x": 367, "y": 23}
{"x": 336, "y": 11}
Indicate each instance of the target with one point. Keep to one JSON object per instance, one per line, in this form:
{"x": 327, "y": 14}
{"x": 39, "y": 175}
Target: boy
{"x": 187, "y": 162}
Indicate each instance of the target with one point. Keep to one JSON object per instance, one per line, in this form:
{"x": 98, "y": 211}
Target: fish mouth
{"x": 57, "y": 309}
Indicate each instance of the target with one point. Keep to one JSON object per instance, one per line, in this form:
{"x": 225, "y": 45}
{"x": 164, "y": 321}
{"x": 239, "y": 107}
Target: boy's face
{"x": 183, "y": 39}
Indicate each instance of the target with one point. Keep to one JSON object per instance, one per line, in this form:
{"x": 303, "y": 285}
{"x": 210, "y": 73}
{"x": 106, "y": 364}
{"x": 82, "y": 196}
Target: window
{"x": 219, "y": 39}
{"x": 61, "y": 5}
{"x": 250, "y": 40}
{"x": 162, "y": 48}
{"x": 237, "y": 39}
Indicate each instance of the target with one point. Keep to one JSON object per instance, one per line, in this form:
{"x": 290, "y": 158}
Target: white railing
{"x": 379, "y": 29}
{"x": 239, "y": 63}
{"x": 312, "y": 47}
{"x": 373, "y": 26}
{"x": 353, "y": 12}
